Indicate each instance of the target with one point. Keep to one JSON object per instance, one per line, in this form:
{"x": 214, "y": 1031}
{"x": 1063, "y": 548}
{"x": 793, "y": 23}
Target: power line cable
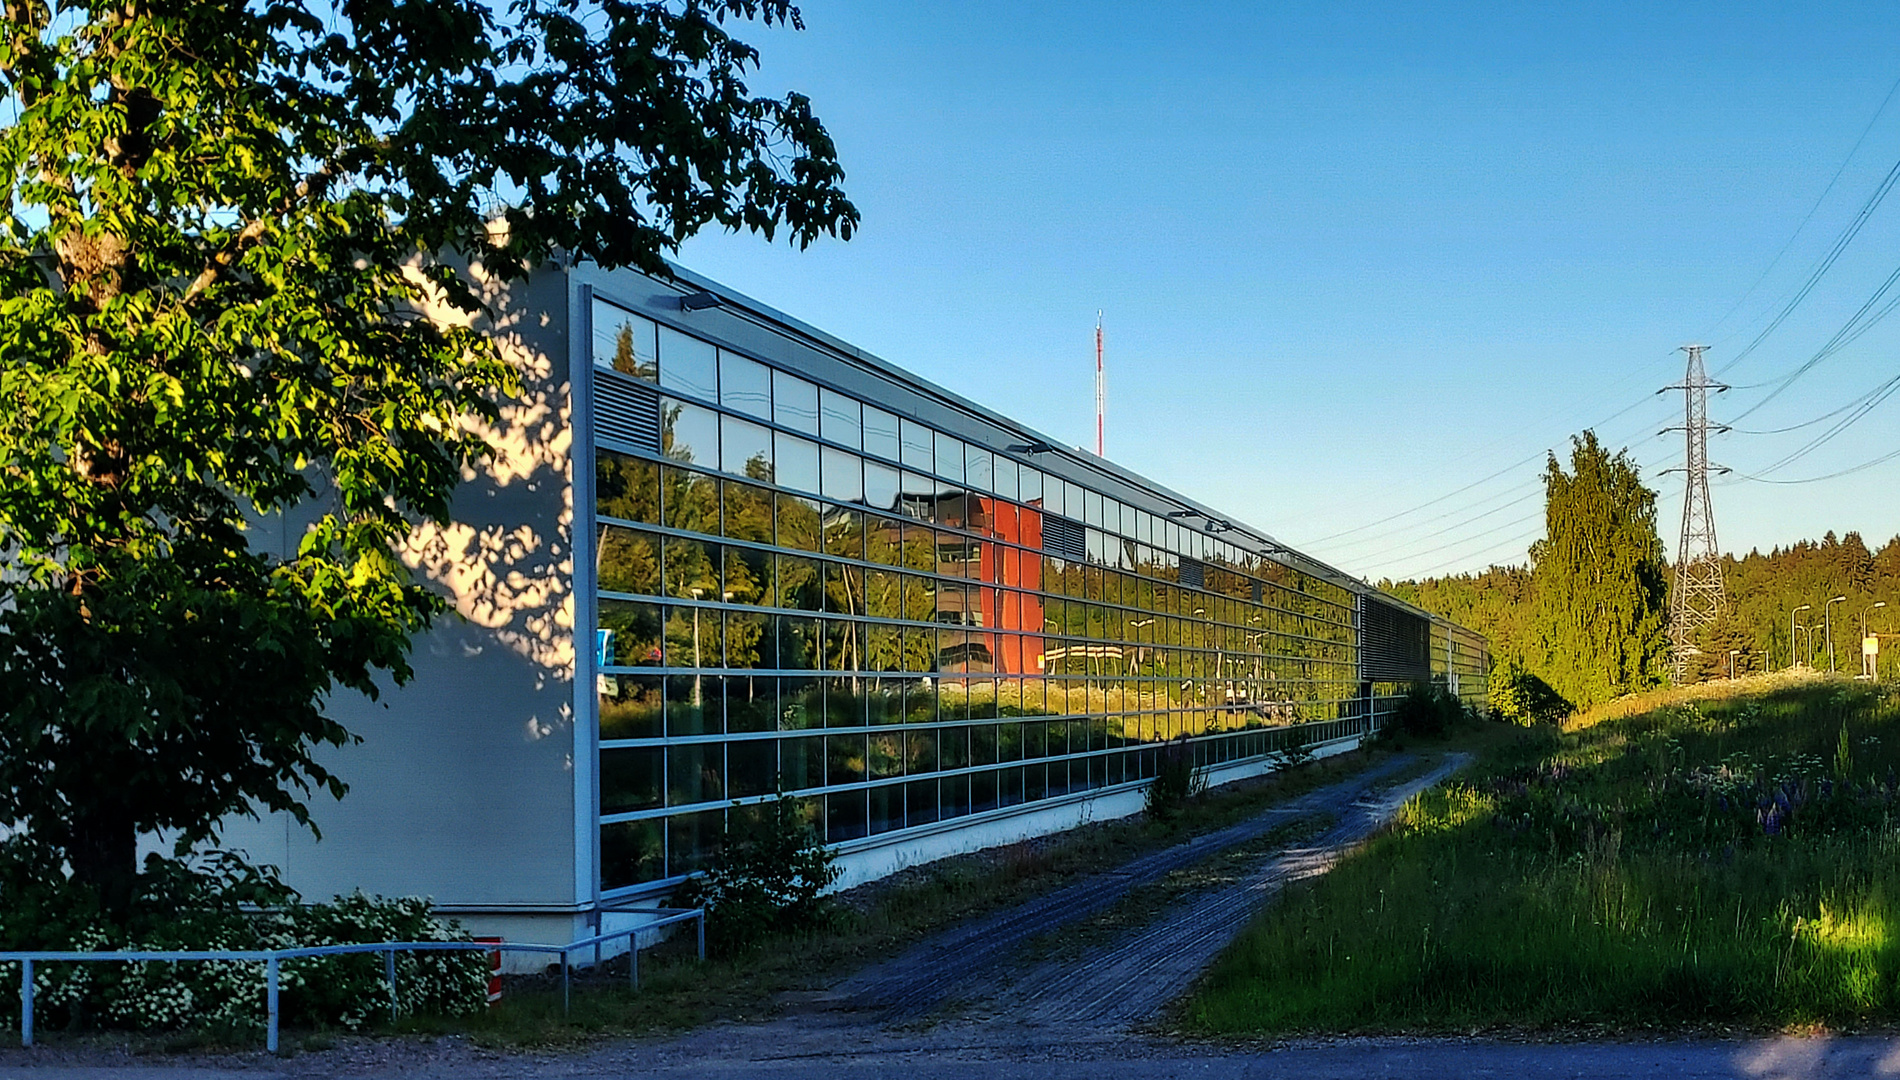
{"x": 1501, "y": 545}
{"x": 1853, "y": 328}
{"x": 1407, "y": 528}
{"x": 1809, "y": 216}
{"x": 1404, "y": 549}
{"x": 1475, "y": 536}
{"x": 1881, "y": 460}
{"x": 1807, "y": 423}
{"x": 1639, "y": 403}
{"x": 1821, "y": 268}
{"x": 1872, "y": 401}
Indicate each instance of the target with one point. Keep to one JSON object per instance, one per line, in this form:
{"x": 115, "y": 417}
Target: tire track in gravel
{"x": 980, "y": 967}
{"x": 1124, "y": 982}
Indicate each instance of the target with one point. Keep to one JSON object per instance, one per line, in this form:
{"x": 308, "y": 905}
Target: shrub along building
{"x": 722, "y": 554}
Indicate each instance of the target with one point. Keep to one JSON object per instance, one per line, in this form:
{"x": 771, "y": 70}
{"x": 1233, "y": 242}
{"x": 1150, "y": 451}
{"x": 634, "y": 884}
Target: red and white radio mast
{"x": 1101, "y": 389}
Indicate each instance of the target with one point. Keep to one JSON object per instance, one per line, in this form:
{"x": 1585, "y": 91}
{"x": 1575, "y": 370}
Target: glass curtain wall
{"x": 800, "y": 591}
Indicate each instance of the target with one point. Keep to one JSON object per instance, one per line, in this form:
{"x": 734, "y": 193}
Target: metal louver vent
{"x": 1395, "y": 645}
{"x": 626, "y": 411}
{"x": 1064, "y": 539}
{"x": 1194, "y": 573}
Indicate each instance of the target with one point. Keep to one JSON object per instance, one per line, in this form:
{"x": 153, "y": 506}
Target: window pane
{"x": 630, "y": 633}
{"x": 630, "y": 706}
{"x": 631, "y": 779}
{"x": 628, "y": 561}
{"x": 880, "y": 433}
{"x": 752, "y": 767}
{"x": 689, "y": 434}
{"x": 627, "y": 487}
{"x": 752, "y": 703}
{"x": 802, "y": 763}
{"x": 919, "y": 449}
{"x": 799, "y": 522}
{"x": 796, "y": 465}
{"x": 745, "y": 448}
{"x": 881, "y": 486}
{"x": 692, "y": 500}
{"x": 842, "y": 476}
{"x": 696, "y": 773}
{"x": 692, "y": 839}
{"x": 748, "y": 581}
{"x": 950, "y": 458}
{"x": 794, "y": 403}
{"x": 631, "y": 852}
{"x": 976, "y": 469}
{"x": 748, "y": 512}
{"x": 798, "y": 643}
{"x": 799, "y": 584}
{"x": 692, "y": 568}
{"x": 1055, "y": 497}
{"x": 688, "y": 364}
{"x": 745, "y": 385}
{"x": 1092, "y": 512}
{"x": 844, "y": 532}
{"x": 918, "y": 499}
{"x": 625, "y": 341}
{"x": 845, "y": 816}
{"x": 1030, "y": 483}
{"x": 840, "y": 419}
{"x": 1006, "y": 478}
{"x": 694, "y": 705}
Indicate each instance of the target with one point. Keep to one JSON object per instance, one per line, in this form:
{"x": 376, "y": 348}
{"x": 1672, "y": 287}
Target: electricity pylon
{"x": 1697, "y": 597}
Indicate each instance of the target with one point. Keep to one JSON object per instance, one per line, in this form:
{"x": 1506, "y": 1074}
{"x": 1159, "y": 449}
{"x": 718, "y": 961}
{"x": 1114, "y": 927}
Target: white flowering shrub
{"x": 228, "y": 906}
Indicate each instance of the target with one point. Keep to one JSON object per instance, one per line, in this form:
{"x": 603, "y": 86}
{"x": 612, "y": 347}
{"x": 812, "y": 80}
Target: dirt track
{"x": 981, "y": 970}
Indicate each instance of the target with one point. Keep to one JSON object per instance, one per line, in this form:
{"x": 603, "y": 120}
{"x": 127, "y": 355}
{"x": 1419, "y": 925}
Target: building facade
{"x": 725, "y": 555}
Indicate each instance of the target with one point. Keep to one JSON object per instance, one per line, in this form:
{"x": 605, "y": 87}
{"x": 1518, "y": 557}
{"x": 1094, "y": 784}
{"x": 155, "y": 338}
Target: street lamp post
{"x": 697, "y": 593}
{"x": 1808, "y": 629}
{"x": 1871, "y": 671}
{"x": 1827, "y": 613}
{"x": 1803, "y": 607}
{"x": 1732, "y": 653}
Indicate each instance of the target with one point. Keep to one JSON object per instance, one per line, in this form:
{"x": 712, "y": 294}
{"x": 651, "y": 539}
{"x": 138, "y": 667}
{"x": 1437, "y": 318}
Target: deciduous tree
{"x": 220, "y": 217}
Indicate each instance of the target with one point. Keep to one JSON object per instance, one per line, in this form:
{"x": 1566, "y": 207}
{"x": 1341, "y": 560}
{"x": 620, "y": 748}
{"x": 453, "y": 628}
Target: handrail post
{"x": 702, "y": 933}
{"x": 564, "y": 984}
{"x": 26, "y": 1003}
{"x": 270, "y": 1003}
{"x": 633, "y": 958}
{"x": 389, "y": 972}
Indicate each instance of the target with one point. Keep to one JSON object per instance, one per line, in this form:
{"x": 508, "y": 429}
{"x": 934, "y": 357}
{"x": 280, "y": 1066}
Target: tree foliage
{"x": 1600, "y": 612}
{"x": 220, "y": 221}
{"x": 768, "y": 876}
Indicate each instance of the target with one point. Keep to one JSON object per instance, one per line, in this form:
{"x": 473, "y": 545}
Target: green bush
{"x": 221, "y": 904}
{"x": 1520, "y": 697}
{"x": 1177, "y": 782}
{"x": 1428, "y": 709}
{"x": 768, "y": 876}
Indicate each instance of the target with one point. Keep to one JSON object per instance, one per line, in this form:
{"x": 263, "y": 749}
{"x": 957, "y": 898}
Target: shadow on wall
{"x": 469, "y": 769}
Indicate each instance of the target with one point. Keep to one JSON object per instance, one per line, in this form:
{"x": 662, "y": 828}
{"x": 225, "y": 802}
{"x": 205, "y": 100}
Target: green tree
{"x": 1600, "y": 580}
{"x": 220, "y": 219}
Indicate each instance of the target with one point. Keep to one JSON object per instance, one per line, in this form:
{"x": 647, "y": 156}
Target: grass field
{"x": 1711, "y": 858}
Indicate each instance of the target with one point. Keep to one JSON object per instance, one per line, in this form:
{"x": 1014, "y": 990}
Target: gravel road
{"x": 976, "y": 967}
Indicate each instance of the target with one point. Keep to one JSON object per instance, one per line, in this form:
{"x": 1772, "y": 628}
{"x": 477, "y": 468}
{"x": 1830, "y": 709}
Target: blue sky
{"x": 1355, "y": 260}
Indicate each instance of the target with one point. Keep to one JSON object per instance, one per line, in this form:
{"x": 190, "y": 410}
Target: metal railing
{"x": 271, "y": 958}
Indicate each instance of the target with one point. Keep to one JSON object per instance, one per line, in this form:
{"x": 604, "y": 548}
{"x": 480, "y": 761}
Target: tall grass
{"x": 1727, "y": 861}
